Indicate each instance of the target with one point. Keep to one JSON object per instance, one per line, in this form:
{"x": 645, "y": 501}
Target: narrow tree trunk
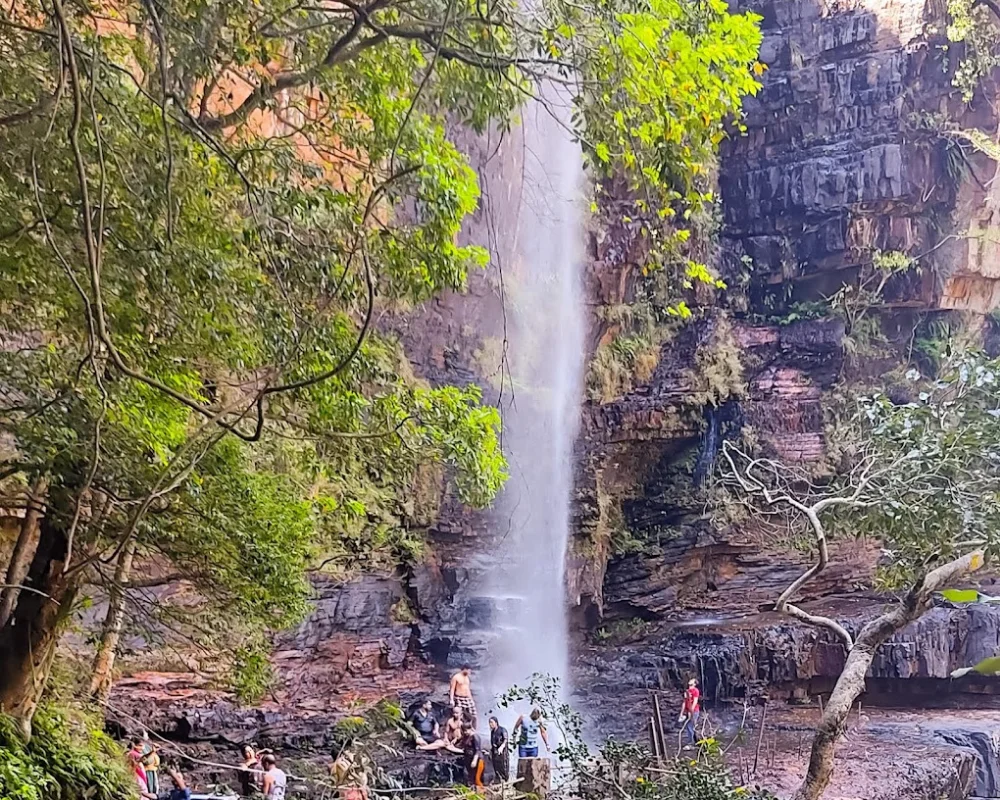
{"x": 104, "y": 661}
{"x": 851, "y": 682}
{"x": 24, "y": 550}
{"x": 28, "y": 641}
{"x": 849, "y": 687}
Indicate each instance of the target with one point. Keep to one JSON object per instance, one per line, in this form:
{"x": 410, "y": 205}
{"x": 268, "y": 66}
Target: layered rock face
{"x": 849, "y": 149}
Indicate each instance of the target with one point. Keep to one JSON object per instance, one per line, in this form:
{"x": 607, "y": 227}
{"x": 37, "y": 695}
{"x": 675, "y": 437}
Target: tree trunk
{"x": 28, "y": 641}
{"x": 24, "y": 550}
{"x": 104, "y": 661}
{"x": 534, "y": 777}
{"x": 851, "y": 682}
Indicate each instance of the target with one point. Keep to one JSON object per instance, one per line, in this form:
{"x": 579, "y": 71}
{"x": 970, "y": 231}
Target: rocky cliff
{"x": 855, "y": 145}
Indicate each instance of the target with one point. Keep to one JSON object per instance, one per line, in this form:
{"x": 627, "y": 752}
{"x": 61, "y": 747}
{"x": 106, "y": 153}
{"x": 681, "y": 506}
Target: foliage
{"x": 187, "y": 267}
{"x": 938, "y": 457}
{"x": 695, "y": 780}
{"x": 853, "y": 301}
{"x": 657, "y": 93}
{"x": 917, "y": 469}
{"x": 803, "y": 310}
{"x": 623, "y": 769}
{"x": 717, "y": 374}
{"x": 252, "y": 673}
{"x": 640, "y": 329}
{"x": 63, "y": 761}
{"x": 973, "y": 24}
{"x": 623, "y": 542}
{"x": 622, "y": 630}
{"x": 618, "y": 365}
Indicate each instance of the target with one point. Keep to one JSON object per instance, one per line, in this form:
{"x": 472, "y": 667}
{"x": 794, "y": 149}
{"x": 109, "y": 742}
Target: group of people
{"x": 459, "y": 734}
{"x": 258, "y": 773}
{"x": 144, "y": 761}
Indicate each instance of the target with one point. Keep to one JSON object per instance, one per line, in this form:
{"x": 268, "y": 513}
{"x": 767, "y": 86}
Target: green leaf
{"x": 960, "y": 595}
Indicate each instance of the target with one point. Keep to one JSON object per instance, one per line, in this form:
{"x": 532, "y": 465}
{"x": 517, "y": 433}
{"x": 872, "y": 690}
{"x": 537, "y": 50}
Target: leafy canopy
{"x": 935, "y": 462}
{"x": 206, "y": 205}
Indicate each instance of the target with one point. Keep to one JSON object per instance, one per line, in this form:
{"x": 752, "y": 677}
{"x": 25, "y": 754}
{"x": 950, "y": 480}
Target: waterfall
{"x": 540, "y": 405}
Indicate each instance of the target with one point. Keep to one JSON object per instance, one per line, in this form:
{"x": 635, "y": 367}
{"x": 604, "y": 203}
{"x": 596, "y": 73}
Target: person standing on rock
{"x": 460, "y": 693}
{"x": 151, "y": 763}
{"x": 499, "y": 750}
{"x": 472, "y": 748}
{"x": 275, "y": 781}
{"x": 690, "y": 712}
{"x": 531, "y": 729}
{"x": 249, "y": 774}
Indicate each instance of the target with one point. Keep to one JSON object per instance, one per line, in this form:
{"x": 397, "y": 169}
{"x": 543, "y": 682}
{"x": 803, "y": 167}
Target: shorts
{"x": 527, "y": 752}
{"x": 467, "y": 704}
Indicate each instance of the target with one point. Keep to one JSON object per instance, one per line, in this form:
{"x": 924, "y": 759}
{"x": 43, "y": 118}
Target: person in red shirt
{"x": 690, "y": 712}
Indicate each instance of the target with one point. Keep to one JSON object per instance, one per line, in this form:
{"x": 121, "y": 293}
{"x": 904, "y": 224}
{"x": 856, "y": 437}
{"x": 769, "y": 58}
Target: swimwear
{"x": 467, "y": 704}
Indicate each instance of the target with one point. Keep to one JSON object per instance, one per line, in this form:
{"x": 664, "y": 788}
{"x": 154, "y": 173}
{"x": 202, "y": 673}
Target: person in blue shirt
{"x": 531, "y": 729}
{"x": 180, "y": 790}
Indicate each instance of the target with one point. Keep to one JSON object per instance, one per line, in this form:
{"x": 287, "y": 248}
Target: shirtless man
{"x": 453, "y": 730}
{"x": 460, "y": 694}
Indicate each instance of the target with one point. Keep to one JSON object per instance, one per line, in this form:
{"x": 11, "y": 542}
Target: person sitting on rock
{"x": 453, "y": 730}
{"x": 531, "y": 729}
{"x": 180, "y": 790}
{"x": 427, "y": 731}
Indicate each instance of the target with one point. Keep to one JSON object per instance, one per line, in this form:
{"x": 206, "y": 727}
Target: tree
{"x": 624, "y": 770}
{"x": 922, "y": 476}
{"x": 204, "y": 208}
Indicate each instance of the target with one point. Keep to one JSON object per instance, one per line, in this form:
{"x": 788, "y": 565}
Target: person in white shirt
{"x": 275, "y": 780}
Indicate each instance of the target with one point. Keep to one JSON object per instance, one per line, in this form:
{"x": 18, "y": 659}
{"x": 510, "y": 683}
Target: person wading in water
{"x": 460, "y": 693}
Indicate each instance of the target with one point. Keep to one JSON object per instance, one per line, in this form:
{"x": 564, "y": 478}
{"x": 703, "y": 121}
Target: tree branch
{"x": 992, "y": 5}
{"x": 782, "y": 605}
{"x": 851, "y": 682}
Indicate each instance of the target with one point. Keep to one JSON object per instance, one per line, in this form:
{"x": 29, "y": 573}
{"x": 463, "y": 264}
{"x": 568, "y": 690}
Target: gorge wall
{"x": 853, "y": 146}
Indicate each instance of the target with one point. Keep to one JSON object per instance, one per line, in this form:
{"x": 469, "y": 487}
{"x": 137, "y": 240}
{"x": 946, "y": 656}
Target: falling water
{"x": 541, "y": 406}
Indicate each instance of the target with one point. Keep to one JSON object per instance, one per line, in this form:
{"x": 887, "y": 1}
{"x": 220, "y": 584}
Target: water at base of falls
{"x": 526, "y": 590}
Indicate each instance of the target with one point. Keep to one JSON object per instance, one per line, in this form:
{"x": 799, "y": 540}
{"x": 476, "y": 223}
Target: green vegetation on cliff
{"x": 204, "y": 207}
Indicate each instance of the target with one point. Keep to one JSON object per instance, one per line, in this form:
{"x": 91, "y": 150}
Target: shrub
{"x": 64, "y": 760}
